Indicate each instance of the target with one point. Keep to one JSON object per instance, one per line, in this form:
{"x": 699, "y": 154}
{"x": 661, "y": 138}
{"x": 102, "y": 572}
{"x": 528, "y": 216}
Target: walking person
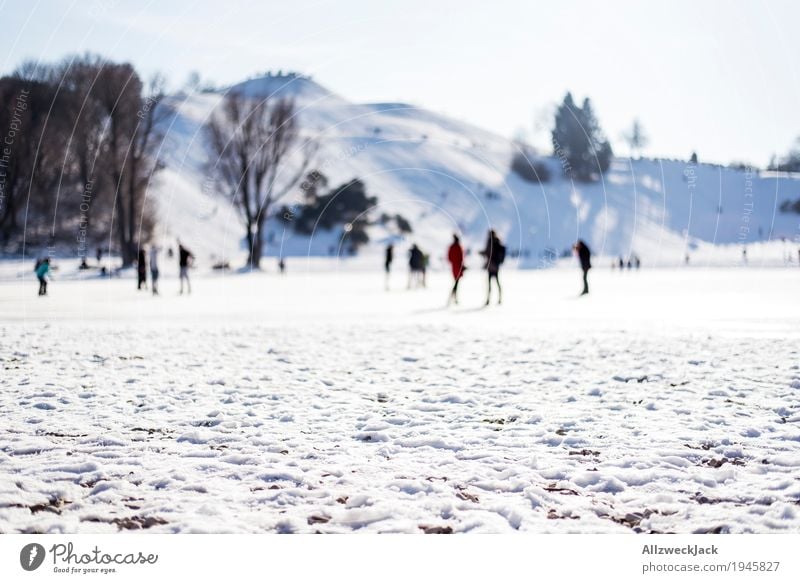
{"x": 141, "y": 269}
{"x": 455, "y": 255}
{"x": 42, "y": 269}
{"x": 495, "y": 254}
{"x": 585, "y": 256}
{"x": 387, "y": 264}
{"x": 185, "y": 258}
{"x": 416, "y": 261}
{"x": 154, "y": 268}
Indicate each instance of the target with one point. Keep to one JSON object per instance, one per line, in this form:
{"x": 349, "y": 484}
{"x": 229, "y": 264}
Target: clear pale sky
{"x": 718, "y": 77}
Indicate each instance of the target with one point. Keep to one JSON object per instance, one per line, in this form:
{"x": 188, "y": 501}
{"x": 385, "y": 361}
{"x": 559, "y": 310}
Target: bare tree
{"x": 19, "y": 125}
{"x": 144, "y": 162}
{"x": 257, "y": 156}
{"x": 130, "y": 134}
{"x": 636, "y": 138}
{"x": 83, "y": 156}
{"x": 30, "y": 157}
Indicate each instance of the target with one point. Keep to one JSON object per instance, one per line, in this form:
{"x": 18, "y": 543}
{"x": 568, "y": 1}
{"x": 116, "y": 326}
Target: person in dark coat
{"x": 495, "y": 254}
{"x": 154, "y": 251}
{"x": 584, "y": 256}
{"x": 141, "y": 269}
{"x": 184, "y": 261}
{"x": 416, "y": 266}
{"x": 455, "y": 255}
{"x": 387, "y": 264}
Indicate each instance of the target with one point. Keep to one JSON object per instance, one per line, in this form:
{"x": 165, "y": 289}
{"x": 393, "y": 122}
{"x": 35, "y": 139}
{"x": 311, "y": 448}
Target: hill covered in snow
{"x": 447, "y": 176}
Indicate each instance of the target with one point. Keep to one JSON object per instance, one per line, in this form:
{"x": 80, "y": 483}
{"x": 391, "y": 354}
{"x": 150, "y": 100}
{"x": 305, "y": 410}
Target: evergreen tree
{"x": 579, "y": 142}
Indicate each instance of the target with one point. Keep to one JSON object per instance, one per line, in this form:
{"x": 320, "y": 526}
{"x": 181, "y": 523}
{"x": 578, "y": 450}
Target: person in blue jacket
{"x": 42, "y": 269}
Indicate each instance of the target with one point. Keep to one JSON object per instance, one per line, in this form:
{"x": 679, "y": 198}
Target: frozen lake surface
{"x": 666, "y": 401}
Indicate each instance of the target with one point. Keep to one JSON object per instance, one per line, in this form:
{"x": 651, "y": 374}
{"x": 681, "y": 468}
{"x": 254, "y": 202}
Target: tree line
{"x": 77, "y": 156}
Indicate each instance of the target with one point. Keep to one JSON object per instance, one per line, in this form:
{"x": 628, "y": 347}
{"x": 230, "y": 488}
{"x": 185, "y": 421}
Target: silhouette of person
{"x": 416, "y": 264}
{"x": 141, "y": 269}
{"x": 455, "y": 255}
{"x": 387, "y": 264}
{"x": 42, "y": 269}
{"x": 154, "y": 250}
{"x": 584, "y": 255}
{"x": 184, "y": 261}
{"x": 495, "y": 254}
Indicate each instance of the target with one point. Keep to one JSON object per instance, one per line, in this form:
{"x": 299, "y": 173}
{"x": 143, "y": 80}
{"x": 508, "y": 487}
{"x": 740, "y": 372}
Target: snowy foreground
{"x": 667, "y": 401}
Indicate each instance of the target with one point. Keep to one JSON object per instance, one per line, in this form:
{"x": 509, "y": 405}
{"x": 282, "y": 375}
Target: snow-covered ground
{"x": 667, "y": 401}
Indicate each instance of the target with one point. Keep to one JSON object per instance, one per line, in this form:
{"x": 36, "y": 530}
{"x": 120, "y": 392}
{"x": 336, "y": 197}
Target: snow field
{"x": 666, "y": 401}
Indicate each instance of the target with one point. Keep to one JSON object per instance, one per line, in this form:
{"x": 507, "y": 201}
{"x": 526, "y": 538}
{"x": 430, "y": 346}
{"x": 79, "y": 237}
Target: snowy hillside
{"x": 445, "y": 176}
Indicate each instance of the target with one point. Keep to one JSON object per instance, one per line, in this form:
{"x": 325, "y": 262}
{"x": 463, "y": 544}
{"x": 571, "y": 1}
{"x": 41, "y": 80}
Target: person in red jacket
{"x": 455, "y": 255}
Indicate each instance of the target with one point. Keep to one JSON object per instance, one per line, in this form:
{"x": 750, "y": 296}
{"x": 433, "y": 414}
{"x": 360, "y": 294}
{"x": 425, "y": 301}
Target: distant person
{"x": 495, "y": 255}
{"x": 154, "y": 250}
{"x": 282, "y": 265}
{"x": 744, "y": 255}
{"x": 455, "y": 255}
{"x": 637, "y": 263}
{"x": 185, "y": 258}
{"x": 416, "y": 261}
{"x": 584, "y": 256}
{"x": 686, "y": 259}
{"x": 630, "y": 263}
{"x": 99, "y": 255}
{"x": 387, "y": 263}
{"x": 141, "y": 269}
{"x": 42, "y": 269}
{"x": 621, "y": 263}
